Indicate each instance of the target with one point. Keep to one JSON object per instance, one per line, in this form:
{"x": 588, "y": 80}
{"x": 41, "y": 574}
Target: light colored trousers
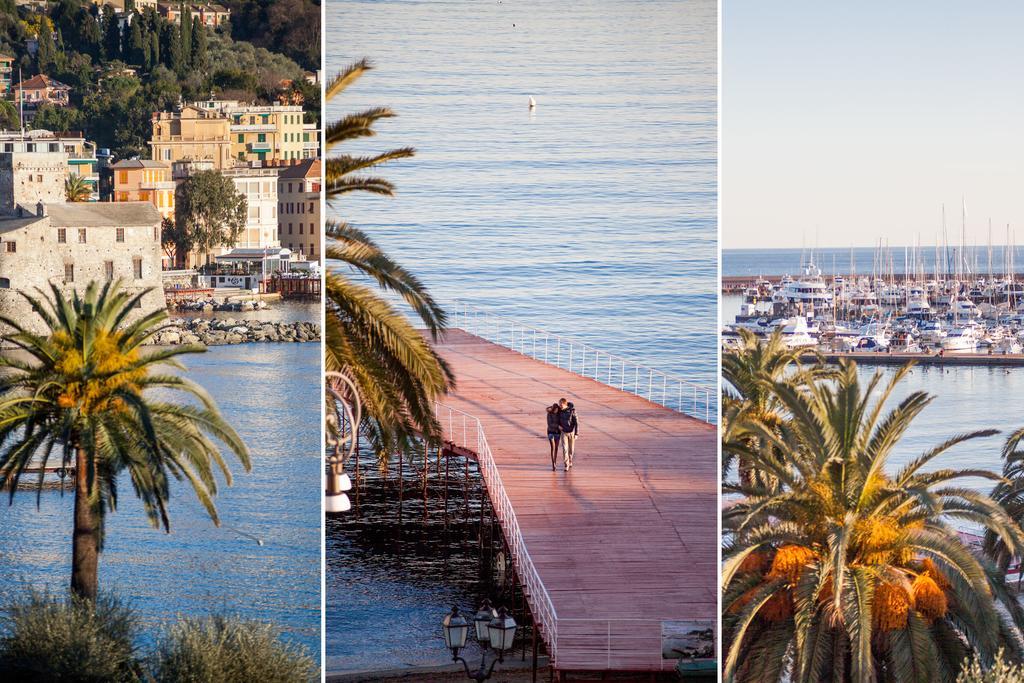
{"x": 568, "y": 447}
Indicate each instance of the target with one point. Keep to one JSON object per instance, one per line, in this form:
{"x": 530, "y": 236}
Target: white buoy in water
{"x": 533, "y": 102}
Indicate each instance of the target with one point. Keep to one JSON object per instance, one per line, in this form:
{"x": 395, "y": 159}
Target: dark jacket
{"x": 553, "y": 423}
{"x": 567, "y": 421}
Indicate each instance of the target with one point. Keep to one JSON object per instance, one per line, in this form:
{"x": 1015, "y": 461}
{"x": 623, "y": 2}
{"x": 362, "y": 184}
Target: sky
{"x": 844, "y": 123}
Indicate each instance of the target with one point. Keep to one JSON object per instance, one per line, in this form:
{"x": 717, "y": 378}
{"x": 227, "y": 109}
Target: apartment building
{"x": 142, "y": 180}
{"x": 298, "y": 208}
{"x": 192, "y": 134}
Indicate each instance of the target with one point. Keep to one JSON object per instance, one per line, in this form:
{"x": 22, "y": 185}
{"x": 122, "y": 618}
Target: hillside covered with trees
{"x": 121, "y": 72}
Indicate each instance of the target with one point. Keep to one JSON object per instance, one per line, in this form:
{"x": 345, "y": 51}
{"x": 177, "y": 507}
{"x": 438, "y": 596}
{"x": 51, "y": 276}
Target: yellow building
{"x": 142, "y": 180}
{"x": 272, "y": 134}
{"x": 192, "y": 134}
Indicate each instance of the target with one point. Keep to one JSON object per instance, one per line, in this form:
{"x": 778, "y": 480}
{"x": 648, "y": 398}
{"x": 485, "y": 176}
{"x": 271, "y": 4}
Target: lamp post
{"x": 495, "y": 630}
{"x": 342, "y": 430}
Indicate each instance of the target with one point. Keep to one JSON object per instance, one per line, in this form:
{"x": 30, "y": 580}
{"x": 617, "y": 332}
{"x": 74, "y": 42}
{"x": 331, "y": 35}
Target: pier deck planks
{"x": 630, "y": 532}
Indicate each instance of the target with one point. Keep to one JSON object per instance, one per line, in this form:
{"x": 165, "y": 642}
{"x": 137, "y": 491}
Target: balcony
{"x": 260, "y": 147}
{"x": 157, "y": 185}
{"x": 312, "y": 144}
{"x": 253, "y": 128}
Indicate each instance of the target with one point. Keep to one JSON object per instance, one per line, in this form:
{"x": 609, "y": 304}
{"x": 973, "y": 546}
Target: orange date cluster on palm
{"x": 923, "y": 591}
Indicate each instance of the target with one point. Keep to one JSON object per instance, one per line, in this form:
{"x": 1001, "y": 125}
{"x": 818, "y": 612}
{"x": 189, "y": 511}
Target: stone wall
{"x": 28, "y": 177}
{"x": 39, "y": 259}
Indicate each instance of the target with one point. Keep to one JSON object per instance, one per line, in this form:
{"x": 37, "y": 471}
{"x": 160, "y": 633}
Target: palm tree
{"x": 397, "y": 373}
{"x": 845, "y": 572}
{"x": 76, "y": 189}
{"x": 82, "y": 394}
{"x": 749, "y": 404}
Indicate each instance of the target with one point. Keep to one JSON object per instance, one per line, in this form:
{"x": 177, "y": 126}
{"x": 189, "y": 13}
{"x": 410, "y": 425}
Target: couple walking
{"x": 562, "y": 427}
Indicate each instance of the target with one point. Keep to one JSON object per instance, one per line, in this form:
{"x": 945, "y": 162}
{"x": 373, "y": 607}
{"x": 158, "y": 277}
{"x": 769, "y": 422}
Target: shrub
{"x": 1001, "y": 671}
{"x": 229, "y": 650}
{"x": 72, "y": 639}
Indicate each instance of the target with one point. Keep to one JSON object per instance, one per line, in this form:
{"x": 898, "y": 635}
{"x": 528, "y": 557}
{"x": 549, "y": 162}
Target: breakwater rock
{"x": 217, "y": 332}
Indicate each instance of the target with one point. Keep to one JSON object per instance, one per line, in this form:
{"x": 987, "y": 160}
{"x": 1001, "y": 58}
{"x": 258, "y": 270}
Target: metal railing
{"x": 465, "y": 431}
{"x": 570, "y": 354}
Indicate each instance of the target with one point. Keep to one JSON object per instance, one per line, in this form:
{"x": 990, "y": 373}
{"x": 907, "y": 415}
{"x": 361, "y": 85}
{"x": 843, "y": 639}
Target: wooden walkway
{"x": 625, "y": 541}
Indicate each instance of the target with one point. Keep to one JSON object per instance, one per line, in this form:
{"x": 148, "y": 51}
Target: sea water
{"x": 270, "y": 394}
{"x": 592, "y": 215}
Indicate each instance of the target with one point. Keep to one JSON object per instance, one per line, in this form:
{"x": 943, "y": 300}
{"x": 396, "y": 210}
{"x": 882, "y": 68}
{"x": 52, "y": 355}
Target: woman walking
{"x": 554, "y": 433}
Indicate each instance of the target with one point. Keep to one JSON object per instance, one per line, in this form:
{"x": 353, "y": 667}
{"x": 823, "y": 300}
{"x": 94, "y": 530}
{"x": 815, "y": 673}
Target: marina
{"x": 948, "y": 309}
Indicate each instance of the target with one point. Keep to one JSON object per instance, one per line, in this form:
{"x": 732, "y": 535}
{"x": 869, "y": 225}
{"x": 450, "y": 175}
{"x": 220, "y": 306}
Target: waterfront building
{"x": 45, "y": 240}
{"x": 143, "y": 180}
{"x": 41, "y": 89}
{"x": 259, "y": 185}
{"x": 298, "y": 208}
{"x": 80, "y": 153}
{"x": 192, "y": 134}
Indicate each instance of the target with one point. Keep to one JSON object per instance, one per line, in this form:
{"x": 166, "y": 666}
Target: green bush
{"x": 229, "y": 650}
{"x": 1000, "y": 672}
{"x": 45, "y": 638}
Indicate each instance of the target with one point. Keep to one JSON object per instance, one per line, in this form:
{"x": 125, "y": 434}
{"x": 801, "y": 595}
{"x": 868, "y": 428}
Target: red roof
{"x": 41, "y": 82}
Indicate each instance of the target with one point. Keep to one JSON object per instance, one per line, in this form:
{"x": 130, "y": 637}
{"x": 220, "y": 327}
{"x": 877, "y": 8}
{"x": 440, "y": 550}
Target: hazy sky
{"x": 845, "y": 122}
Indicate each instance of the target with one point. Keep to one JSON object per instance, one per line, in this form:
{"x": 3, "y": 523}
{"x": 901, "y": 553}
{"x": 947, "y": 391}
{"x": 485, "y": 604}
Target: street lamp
{"x": 342, "y": 431}
{"x": 496, "y": 629}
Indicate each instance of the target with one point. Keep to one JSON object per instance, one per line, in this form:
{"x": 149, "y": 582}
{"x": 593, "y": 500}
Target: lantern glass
{"x": 502, "y": 631}
{"x": 455, "y": 629}
{"x": 482, "y": 621}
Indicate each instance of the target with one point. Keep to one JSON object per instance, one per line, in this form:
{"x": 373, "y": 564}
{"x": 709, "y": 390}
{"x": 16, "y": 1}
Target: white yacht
{"x": 961, "y": 338}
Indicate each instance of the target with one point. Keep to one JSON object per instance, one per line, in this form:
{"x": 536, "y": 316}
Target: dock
{"x": 623, "y": 547}
{"x": 948, "y": 359}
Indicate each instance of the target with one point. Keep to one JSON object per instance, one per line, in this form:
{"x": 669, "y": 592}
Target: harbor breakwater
{"x": 223, "y": 331}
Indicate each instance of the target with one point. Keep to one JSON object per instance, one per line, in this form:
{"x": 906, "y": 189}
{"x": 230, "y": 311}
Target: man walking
{"x": 569, "y": 426}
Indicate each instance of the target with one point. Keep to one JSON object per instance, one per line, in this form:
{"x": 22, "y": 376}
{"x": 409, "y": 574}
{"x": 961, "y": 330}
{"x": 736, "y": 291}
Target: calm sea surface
{"x": 966, "y": 399}
{"x": 269, "y": 392}
{"x": 592, "y": 216}
{"x": 865, "y": 260}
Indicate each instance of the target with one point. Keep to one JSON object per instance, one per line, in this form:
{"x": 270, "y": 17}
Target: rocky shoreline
{"x": 218, "y": 332}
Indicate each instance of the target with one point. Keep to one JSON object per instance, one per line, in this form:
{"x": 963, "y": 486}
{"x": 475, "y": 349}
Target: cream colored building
{"x": 298, "y": 208}
{"x": 192, "y": 134}
{"x": 142, "y": 180}
{"x": 259, "y": 185}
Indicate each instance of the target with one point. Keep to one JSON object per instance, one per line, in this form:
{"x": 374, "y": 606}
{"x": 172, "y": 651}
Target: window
{"x": 300, "y": 228}
{"x": 289, "y": 228}
{"x": 311, "y": 209}
{"x": 62, "y": 235}
{"x": 108, "y": 270}
{"x": 69, "y": 272}
{"x": 137, "y": 267}
{"x": 312, "y": 248}
{"x": 262, "y": 137}
{"x": 81, "y": 235}
{"x": 156, "y": 233}
{"x": 120, "y": 234}
{"x": 241, "y": 138}
{"x": 5, "y": 283}
{"x": 11, "y": 247}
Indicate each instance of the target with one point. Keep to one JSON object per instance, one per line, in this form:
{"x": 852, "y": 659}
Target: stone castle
{"x": 45, "y": 239}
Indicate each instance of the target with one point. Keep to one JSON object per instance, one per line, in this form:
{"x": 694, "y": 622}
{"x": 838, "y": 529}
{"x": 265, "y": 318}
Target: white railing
{"x": 465, "y": 431}
{"x": 578, "y": 357}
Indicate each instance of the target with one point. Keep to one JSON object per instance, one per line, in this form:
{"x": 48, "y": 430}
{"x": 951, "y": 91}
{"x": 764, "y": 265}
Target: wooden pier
{"x": 301, "y": 288}
{"x": 614, "y": 552}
